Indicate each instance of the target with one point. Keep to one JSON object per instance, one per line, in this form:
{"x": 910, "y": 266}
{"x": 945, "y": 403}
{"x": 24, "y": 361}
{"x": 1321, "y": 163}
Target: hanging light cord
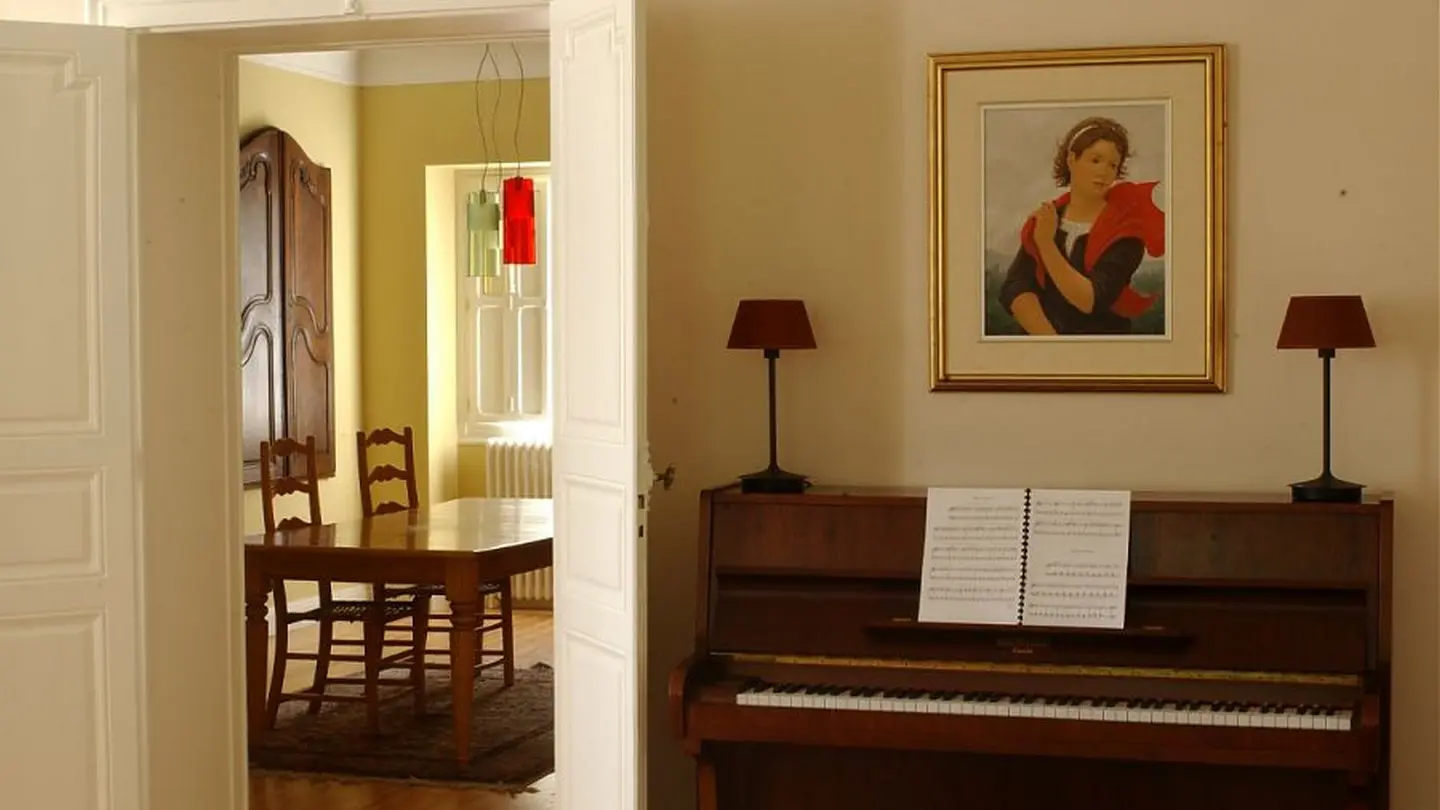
{"x": 520, "y": 106}
{"x": 480, "y": 118}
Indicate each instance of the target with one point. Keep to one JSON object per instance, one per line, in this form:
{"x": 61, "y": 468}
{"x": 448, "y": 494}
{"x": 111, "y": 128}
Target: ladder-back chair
{"x": 490, "y": 621}
{"x": 374, "y": 616}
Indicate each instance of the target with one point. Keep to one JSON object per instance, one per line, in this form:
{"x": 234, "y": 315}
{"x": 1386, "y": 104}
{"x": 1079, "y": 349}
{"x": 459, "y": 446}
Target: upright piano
{"x": 1253, "y": 670}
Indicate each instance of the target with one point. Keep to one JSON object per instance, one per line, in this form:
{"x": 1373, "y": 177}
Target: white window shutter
{"x": 532, "y": 304}
{"x": 493, "y": 396}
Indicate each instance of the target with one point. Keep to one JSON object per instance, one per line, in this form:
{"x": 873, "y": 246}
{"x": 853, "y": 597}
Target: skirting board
{"x": 350, "y": 591}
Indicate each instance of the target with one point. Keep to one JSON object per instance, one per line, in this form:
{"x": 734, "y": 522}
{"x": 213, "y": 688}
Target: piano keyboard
{"x": 1057, "y": 707}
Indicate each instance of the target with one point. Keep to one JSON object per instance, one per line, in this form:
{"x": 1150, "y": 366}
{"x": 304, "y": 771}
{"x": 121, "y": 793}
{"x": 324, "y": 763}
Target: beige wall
{"x": 787, "y": 157}
{"x": 189, "y": 463}
{"x": 322, "y": 117}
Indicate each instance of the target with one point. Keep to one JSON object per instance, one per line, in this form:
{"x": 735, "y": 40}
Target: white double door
{"x": 87, "y": 653}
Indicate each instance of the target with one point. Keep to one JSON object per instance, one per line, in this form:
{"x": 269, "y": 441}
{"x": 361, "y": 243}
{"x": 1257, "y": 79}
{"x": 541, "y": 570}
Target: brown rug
{"x": 513, "y": 742}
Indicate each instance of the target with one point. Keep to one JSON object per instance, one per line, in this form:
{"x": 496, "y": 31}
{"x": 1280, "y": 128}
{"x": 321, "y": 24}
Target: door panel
{"x": 599, "y": 385}
{"x": 308, "y": 334}
{"x": 69, "y": 549}
{"x": 262, "y": 337}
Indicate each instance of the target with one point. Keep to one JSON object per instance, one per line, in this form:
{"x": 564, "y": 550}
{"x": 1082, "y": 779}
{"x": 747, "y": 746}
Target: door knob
{"x": 667, "y": 478}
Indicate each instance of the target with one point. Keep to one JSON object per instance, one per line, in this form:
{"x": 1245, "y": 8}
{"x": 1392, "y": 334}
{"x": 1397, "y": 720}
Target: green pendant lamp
{"x": 482, "y": 217}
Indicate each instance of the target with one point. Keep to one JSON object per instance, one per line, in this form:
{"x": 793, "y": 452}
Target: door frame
{"x": 233, "y": 42}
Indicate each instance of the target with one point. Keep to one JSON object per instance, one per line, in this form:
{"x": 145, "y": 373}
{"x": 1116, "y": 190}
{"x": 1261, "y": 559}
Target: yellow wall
{"x": 321, "y": 116}
{"x": 787, "y": 157}
{"x": 404, "y": 129}
{"x": 471, "y": 471}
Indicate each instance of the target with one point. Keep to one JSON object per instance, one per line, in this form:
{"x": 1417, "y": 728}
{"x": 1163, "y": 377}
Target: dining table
{"x": 457, "y": 544}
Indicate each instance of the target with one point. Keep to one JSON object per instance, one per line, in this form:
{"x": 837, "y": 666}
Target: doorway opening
{"x": 417, "y": 331}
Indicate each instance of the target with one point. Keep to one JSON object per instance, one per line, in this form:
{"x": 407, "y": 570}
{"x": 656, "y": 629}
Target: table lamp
{"x": 1326, "y": 323}
{"x": 772, "y": 325}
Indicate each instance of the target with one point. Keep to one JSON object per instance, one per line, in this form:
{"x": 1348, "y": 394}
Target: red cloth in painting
{"x": 519, "y": 207}
{"x": 1129, "y": 212}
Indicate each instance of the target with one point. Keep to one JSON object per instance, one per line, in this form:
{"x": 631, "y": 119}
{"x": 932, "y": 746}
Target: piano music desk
{"x": 1253, "y": 671}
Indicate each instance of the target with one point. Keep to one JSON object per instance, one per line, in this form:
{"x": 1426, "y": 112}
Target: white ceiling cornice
{"x": 342, "y": 67}
{"x": 449, "y": 62}
{"x": 417, "y": 64}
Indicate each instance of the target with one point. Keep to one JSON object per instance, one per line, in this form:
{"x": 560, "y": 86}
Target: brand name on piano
{"x": 1022, "y": 646}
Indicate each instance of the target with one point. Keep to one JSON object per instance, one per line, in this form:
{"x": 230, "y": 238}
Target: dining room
{"x": 398, "y": 524}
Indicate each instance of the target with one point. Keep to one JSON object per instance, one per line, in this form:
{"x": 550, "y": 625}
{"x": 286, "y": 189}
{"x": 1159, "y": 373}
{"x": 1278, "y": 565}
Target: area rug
{"x": 512, "y": 742}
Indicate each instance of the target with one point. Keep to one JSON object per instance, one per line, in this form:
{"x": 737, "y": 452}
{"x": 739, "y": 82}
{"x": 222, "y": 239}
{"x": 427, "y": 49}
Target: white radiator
{"x": 515, "y": 469}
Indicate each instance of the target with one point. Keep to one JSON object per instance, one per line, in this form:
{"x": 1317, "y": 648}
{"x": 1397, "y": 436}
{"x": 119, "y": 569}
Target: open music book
{"x": 1054, "y": 557}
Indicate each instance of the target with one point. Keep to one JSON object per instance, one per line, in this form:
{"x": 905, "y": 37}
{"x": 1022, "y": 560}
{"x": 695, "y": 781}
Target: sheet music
{"x": 971, "y": 569}
{"x": 1079, "y": 558}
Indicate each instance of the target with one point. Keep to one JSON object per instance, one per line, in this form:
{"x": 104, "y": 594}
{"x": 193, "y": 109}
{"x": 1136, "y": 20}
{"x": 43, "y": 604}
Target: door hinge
{"x": 642, "y": 501}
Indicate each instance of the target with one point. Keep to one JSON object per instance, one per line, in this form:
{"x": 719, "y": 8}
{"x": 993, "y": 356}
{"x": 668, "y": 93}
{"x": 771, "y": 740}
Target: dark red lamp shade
{"x": 1326, "y": 322}
{"x": 771, "y": 324}
{"x": 518, "y": 205}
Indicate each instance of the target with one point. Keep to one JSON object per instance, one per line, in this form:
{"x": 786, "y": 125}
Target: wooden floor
{"x": 534, "y": 643}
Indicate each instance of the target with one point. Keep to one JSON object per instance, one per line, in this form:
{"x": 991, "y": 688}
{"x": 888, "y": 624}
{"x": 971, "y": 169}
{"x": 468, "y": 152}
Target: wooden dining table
{"x": 458, "y": 544}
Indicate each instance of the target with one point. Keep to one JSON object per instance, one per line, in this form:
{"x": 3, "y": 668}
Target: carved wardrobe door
{"x": 287, "y": 367}
{"x": 309, "y": 366}
{"x": 261, "y": 337}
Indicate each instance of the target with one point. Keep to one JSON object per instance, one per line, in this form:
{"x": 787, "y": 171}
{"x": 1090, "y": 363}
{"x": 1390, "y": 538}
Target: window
{"x": 504, "y": 324}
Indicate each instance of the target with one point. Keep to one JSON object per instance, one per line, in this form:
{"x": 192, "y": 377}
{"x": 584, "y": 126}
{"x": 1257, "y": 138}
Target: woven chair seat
{"x": 438, "y": 590}
{"x": 356, "y": 611}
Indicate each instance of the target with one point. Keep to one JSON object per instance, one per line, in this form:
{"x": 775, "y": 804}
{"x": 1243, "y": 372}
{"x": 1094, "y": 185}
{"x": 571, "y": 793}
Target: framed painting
{"x": 1077, "y": 220}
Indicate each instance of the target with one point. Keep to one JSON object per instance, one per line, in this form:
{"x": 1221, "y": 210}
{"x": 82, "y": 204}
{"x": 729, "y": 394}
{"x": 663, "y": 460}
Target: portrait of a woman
{"x": 1075, "y": 268}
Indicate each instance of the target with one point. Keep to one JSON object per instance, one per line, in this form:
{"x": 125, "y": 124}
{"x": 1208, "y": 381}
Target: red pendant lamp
{"x": 519, "y": 212}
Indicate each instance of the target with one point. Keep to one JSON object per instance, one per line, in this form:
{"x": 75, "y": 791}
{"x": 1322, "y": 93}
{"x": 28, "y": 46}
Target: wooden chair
{"x": 491, "y": 621}
{"x": 374, "y": 615}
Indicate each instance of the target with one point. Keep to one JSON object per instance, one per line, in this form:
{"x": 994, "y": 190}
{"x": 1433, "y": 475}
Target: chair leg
{"x": 507, "y": 633}
{"x": 277, "y": 673}
{"x": 323, "y": 648}
{"x": 374, "y": 631}
{"x": 420, "y": 636}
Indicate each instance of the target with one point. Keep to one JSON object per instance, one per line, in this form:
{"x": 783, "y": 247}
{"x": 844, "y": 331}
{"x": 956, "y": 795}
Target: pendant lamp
{"x": 519, "y": 220}
{"x": 482, "y": 217}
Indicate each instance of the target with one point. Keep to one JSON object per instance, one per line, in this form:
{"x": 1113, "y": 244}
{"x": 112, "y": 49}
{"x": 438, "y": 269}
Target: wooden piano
{"x": 1253, "y": 671}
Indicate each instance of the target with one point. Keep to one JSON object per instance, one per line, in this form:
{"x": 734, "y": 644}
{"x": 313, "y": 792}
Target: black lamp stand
{"x": 772, "y": 479}
{"x": 1326, "y": 488}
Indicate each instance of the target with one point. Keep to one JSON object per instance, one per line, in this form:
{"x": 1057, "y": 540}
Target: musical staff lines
{"x": 972, "y": 555}
{"x": 1034, "y": 556}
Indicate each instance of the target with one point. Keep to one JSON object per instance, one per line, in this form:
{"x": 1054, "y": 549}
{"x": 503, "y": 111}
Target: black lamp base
{"x": 773, "y": 481}
{"x": 1326, "y": 489}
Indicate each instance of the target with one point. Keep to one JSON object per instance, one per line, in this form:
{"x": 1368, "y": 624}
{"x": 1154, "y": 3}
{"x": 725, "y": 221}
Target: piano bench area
{"x": 1253, "y": 670}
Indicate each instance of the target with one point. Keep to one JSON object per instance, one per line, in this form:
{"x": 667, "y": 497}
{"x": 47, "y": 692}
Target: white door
{"x": 599, "y": 317}
{"x": 70, "y": 646}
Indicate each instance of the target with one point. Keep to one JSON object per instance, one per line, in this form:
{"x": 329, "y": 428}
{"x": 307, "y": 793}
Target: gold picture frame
{"x": 1115, "y": 157}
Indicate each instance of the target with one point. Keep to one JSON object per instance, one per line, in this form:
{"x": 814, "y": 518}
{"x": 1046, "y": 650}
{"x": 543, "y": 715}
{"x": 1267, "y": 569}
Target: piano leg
{"x": 705, "y": 794}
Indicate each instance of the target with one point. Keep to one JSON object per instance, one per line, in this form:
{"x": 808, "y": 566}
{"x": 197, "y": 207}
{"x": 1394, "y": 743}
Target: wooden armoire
{"x": 286, "y": 357}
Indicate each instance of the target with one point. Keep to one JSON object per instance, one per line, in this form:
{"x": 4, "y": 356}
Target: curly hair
{"x": 1082, "y": 136}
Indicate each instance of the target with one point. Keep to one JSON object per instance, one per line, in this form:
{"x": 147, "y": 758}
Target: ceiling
{"x": 417, "y": 64}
